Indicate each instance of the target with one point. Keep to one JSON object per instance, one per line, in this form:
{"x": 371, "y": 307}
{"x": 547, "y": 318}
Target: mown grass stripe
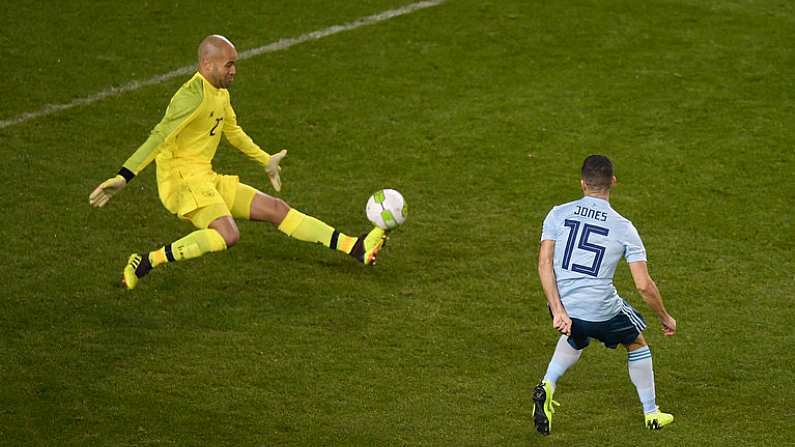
{"x": 281, "y": 44}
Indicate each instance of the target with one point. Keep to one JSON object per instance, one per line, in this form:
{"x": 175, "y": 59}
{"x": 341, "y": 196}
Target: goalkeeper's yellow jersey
{"x": 184, "y": 143}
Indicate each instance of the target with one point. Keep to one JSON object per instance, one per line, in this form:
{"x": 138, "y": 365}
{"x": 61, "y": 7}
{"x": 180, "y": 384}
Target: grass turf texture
{"x": 480, "y": 114}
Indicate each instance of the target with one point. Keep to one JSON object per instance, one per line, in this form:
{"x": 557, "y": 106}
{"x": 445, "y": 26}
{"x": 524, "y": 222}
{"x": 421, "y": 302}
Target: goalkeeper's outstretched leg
{"x": 306, "y": 228}
{"x": 222, "y": 233}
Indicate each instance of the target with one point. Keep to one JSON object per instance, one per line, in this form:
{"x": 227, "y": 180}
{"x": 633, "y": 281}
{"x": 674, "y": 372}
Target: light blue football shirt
{"x": 590, "y": 239}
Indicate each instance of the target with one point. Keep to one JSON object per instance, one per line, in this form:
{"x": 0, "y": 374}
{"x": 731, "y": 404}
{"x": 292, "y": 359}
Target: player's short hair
{"x": 597, "y": 172}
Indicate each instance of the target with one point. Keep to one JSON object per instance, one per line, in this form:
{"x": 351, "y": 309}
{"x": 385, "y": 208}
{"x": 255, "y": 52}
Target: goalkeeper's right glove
{"x": 100, "y": 196}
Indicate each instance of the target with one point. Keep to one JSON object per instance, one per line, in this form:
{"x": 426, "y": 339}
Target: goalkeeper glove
{"x": 273, "y": 169}
{"x": 100, "y": 196}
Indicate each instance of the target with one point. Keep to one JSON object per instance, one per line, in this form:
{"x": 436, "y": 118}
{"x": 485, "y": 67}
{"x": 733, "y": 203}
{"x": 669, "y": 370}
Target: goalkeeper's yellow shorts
{"x": 204, "y": 198}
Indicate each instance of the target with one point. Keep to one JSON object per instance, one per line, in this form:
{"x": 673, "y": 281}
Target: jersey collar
{"x": 596, "y": 198}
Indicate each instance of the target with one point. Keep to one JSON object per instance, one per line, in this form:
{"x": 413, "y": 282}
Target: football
{"x": 386, "y": 209}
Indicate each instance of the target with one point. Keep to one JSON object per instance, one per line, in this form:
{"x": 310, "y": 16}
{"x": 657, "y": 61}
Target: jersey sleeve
{"x": 179, "y": 113}
{"x": 239, "y": 139}
{"x": 634, "y": 251}
{"x": 549, "y": 231}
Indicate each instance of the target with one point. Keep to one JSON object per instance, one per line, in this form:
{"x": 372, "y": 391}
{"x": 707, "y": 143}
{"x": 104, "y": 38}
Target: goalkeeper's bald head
{"x": 217, "y": 57}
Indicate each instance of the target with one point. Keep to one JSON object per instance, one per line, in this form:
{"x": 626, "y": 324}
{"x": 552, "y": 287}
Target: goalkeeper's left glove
{"x": 100, "y": 196}
{"x": 273, "y": 169}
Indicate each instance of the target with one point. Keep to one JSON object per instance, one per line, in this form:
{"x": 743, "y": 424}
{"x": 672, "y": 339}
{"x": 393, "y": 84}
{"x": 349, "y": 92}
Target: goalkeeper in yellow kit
{"x": 183, "y": 145}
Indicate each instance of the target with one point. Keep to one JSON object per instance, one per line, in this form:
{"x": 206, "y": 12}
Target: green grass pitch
{"x": 480, "y": 113}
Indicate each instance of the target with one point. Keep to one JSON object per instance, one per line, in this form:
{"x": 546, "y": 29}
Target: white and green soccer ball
{"x": 386, "y": 209}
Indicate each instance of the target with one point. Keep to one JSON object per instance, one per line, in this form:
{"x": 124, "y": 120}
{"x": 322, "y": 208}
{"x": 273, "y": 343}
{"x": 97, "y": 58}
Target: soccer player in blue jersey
{"x": 581, "y": 244}
{"x": 183, "y": 146}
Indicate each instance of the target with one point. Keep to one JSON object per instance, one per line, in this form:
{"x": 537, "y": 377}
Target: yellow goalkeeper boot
{"x": 137, "y": 267}
{"x": 368, "y": 246}
{"x": 543, "y": 408}
{"x": 657, "y": 420}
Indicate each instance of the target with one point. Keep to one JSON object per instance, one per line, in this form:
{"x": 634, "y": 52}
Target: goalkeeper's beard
{"x": 226, "y": 82}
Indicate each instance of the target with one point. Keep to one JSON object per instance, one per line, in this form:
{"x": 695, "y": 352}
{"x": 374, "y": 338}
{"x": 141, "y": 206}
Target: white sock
{"x": 564, "y": 358}
{"x": 642, "y": 375}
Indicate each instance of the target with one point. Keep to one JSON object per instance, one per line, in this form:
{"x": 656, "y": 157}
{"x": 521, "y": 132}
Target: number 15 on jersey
{"x": 579, "y": 239}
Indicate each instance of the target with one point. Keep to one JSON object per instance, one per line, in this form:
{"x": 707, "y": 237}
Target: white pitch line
{"x": 279, "y": 45}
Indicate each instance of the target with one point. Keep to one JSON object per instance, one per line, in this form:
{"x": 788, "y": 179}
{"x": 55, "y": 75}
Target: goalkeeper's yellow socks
{"x": 309, "y": 229}
{"x": 191, "y": 246}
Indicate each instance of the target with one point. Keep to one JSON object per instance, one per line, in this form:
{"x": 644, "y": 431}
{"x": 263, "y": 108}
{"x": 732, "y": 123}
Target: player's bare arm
{"x": 546, "y": 256}
{"x": 651, "y": 294}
